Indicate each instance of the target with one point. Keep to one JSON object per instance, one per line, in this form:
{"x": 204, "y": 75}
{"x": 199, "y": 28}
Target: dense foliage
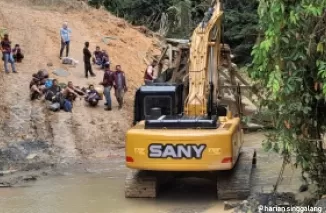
{"x": 290, "y": 63}
{"x": 240, "y": 25}
{"x": 183, "y": 16}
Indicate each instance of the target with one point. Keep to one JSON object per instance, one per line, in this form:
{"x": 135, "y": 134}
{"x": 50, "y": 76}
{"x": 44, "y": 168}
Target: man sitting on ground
{"x": 105, "y": 58}
{"x": 37, "y": 86}
{"x": 53, "y": 91}
{"x": 71, "y": 92}
{"x": 98, "y": 56}
{"x": 17, "y": 54}
{"x": 92, "y": 96}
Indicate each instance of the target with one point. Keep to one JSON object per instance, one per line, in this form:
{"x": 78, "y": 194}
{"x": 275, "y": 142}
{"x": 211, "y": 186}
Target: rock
{"x": 230, "y": 205}
{"x": 30, "y": 178}
{"x": 5, "y": 185}
{"x": 7, "y": 172}
{"x": 245, "y": 202}
{"x": 121, "y": 24}
{"x": 303, "y": 188}
{"x": 31, "y": 156}
{"x": 321, "y": 203}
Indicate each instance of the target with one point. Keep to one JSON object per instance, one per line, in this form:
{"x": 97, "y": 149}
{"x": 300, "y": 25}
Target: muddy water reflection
{"x": 103, "y": 194}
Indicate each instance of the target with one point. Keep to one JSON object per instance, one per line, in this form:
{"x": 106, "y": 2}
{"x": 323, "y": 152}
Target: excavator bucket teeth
{"x": 235, "y": 184}
{"x": 140, "y": 184}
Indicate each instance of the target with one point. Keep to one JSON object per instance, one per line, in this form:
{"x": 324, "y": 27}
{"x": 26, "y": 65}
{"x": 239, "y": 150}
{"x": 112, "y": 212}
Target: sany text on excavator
{"x": 187, "y": 134}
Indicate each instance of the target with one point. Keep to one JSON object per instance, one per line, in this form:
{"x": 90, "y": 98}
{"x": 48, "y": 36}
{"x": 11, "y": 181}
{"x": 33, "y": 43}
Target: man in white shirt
{"x": 149, "y": 73}
{"x": 65, "y": 33}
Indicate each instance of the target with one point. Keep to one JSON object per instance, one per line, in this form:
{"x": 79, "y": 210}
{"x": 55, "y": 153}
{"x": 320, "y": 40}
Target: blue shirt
{"x": 65, "y": 34}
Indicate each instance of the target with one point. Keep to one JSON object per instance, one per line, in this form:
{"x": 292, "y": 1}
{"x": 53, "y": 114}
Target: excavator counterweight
{"x": 180, "y": 129}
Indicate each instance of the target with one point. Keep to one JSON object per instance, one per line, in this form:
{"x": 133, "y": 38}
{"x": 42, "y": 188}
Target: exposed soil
{"x": 86, "y": 132}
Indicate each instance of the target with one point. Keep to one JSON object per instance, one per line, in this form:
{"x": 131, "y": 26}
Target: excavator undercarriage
{"x": 232, "y": 184}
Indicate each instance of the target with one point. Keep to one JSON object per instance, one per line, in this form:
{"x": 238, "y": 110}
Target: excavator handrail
{"x": 199, "y": 61}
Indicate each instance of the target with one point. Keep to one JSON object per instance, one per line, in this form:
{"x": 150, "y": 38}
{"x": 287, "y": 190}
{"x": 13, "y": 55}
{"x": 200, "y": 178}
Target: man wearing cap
{"x": 65, "y": 38}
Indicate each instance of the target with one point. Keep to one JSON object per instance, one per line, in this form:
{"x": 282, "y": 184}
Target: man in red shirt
{"x": 120, "y": 85}
{"x": 6, "y": 54}
{"x": 108, "y": 80}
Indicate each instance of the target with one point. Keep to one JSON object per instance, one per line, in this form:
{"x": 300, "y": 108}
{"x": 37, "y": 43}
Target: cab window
{"x": 163, "y": 102}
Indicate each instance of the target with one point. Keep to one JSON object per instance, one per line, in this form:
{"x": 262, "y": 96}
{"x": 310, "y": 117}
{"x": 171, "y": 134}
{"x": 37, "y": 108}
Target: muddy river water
{"x": 103, "y": 191}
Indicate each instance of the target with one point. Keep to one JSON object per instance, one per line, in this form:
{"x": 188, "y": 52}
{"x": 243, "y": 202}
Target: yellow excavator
{"x": 188, "y": 134}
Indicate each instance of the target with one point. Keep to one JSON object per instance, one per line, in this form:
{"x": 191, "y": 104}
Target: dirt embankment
{"x": 29, "y": 132}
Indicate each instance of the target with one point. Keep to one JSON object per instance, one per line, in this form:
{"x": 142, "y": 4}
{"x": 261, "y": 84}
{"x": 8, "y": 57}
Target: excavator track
{"x": 141, "y": 184}
{"x": 236, "y": 184}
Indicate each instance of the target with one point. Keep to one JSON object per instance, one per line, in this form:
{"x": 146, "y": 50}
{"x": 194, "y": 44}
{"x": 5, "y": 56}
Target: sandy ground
{"x": 85, "y": 132}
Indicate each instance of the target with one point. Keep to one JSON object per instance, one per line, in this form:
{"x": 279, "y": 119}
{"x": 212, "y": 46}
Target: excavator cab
{"x": 161, "y": 105}
{"x": 153, "y": 101}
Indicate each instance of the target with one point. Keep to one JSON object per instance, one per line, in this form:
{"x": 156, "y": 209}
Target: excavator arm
{"x": 203, "y": 63}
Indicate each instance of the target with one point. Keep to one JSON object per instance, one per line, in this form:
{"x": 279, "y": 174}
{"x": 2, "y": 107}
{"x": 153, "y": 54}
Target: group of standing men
{"x": 112, "y": 79}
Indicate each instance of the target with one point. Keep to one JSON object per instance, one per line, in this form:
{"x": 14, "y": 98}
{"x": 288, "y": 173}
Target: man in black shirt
{"x": 87, "y": 60}
{"x": 53, "y": 91}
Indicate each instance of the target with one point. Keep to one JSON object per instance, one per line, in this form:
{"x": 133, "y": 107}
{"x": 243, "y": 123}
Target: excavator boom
{"x": 204, "y": 61}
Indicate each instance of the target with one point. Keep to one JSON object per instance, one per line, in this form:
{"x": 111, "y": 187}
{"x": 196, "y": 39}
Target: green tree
{"x": 240, "y": 28}
{"x": 184, "y": 15}
{"x": 290, "y": 62}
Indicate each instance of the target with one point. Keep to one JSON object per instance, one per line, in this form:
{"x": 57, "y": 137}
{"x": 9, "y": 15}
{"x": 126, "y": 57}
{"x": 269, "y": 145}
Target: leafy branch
{"x": 289, "y": 61}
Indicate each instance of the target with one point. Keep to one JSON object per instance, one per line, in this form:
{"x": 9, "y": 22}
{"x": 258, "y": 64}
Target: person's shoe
{"x": 14, "y": 71}
{"x": 86, "y": 76}
{"x": 105, "y": 104}
{"x": 108, "y": 108}
{"x": 93, "y": 75}
{"x": 120, "y": 107}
